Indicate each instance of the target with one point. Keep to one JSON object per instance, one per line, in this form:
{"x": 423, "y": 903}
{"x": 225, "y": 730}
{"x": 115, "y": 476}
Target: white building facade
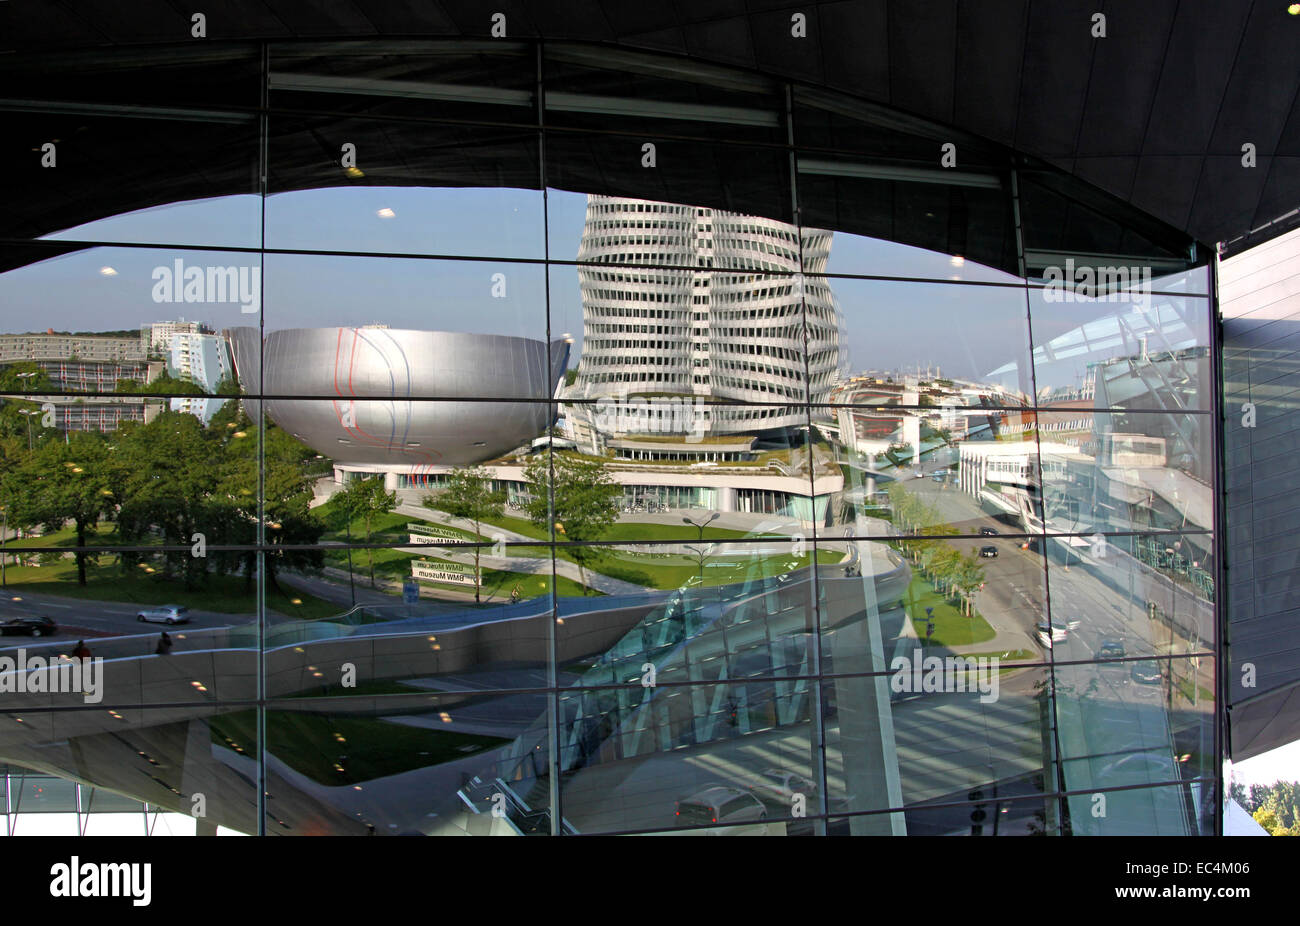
{"x": 707, "y": 304}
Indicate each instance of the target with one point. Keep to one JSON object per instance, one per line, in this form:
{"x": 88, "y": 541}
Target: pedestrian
{"x": 82, "y": 651}
{"x": 164, "y": 645}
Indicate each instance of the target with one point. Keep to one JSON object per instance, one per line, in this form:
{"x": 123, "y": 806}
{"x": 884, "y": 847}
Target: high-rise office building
{"x": 697, "y": 302}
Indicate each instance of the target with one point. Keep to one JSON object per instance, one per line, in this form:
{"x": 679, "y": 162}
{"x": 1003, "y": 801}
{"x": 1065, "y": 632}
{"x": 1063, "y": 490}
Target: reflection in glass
{"x": 609, "y": 498}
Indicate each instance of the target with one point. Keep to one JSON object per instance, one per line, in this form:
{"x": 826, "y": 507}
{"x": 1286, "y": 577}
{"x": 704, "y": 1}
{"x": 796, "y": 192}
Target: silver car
{"x": 721, "y": 804}
{"x": 165, "y": 614}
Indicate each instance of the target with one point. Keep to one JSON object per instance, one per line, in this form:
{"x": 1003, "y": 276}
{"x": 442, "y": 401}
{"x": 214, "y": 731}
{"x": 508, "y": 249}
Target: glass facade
{"x": 497, "y": 438}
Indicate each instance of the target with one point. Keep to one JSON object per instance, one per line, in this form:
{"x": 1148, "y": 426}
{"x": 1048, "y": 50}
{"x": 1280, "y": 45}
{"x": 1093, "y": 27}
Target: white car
{"x": 780, "y": 787}
{"x": 1058, "y": 633}
{"x": 165, "y": 614}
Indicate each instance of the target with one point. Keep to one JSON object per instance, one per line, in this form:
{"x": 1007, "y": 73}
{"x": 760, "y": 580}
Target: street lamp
{"x": 700, "y": 526}
{"x": 702, "y": 549}
{"x": 700, "y": 553}
{"x": 28, "y": 413}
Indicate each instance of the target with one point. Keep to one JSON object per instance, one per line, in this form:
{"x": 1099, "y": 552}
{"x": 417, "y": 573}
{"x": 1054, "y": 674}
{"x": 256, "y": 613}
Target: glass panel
{"x": 32, "y": 792}
{"x": 110, "y": 332}
{"x": 994, "y": 812}
{"x": 126, "y": 824}
{"x": 98, "y": 801}
{"x": 422, "y": 623}
{"x": 949, "y": 597}
{"x": 406, "y": 764}
{"x": 889, "y": 340}
{"x": 404, "y": 188}
{"x": 951, "y": 232}
{"x": 1195, "y": 281}
{"x": 1127, "y": 471}
{"x": 491, "y": 80}
{"x": 189, "y": 74}
{"x": 54, "y": 824}
{"x": 466, "y": 330}
{"x": 1171, "y": 810}
{"x": 177, "y": 759}
{"x": 978, "y": 488}
{"x": 973, "y": 724}
{"x": 674, "y": 170}
{"x": 1132, "y": 595}
{"x": 829, "y": 120}
{"x": 1130, "y": 350}
{"x": 1150, "y": 725}
{"x": 677, "y": 756}
{"x": 627, "y": 91}
{"x": 676, "y": 612}
{"x": 1068, "y": 224}
{"x": 197, "y": 186}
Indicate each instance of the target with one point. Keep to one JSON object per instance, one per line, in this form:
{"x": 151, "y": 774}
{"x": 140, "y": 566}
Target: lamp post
{"x": 4, "y": 538}
{"x": 700, "y": 526}
{"x": 28, "y": 413}
{"x": 702, "y": 549}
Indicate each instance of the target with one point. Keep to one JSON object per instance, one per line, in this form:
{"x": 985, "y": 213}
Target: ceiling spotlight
{"x": 957, "y": 260}
{"x": 385, "y": 213}
{"x": 354, "y": 173}
{"x": 1294, "y": 9}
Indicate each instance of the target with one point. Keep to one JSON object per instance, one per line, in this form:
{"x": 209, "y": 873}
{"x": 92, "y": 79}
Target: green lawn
{"x": 951, "y": 628}
{"x": 105, "y": 582}
{"x": 67, "y": 537}
{"x": 671, "y": 570}
{"x": 396, "y": 565}
{"x": 346, "y": 750}
{"x": 630, "y": 531}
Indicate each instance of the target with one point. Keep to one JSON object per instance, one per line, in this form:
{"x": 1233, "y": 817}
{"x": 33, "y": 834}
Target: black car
{"x": 29, "y": 626}
{"x": 1147, "y": 672}
{"x": 1111, "y": 649}
{"x": 988, "y": 532}
{"x": 988, "y": 551}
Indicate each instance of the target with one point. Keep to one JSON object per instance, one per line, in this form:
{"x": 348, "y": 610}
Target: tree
{"x": 291, "y": 528}
{"x": 970, "y": 576}
{"x": 468, "y": 494}
{"x": 575, "y": 495}
{"x": 365, "y": 499}
{"x": 169, "y": 471}
{"x": 62, "y": 482}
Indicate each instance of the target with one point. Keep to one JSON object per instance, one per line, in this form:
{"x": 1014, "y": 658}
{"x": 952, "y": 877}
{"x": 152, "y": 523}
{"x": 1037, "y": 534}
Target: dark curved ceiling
{"x": 1155, "y": 113}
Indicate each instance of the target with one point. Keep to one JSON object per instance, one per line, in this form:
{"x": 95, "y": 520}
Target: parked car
{"x": 780, "y": 787}
{"x": 720, "y": 804}
{"x": 33, "y": 626}
{"x": 988, "y": 532}
{"x": 918, "y": 474}
{"x": 1111, "y": 648}
{"x": 165, "y": 614}
{"x": 989, "y": 551}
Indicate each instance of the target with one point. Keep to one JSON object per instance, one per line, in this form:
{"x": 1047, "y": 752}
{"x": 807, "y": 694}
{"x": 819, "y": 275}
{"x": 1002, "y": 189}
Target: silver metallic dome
{"x": 390, "y": 396}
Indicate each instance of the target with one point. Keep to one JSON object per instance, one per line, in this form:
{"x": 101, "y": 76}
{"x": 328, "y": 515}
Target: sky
{"x": 966, "y": 331}
{"x": 1281, "y": 764}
